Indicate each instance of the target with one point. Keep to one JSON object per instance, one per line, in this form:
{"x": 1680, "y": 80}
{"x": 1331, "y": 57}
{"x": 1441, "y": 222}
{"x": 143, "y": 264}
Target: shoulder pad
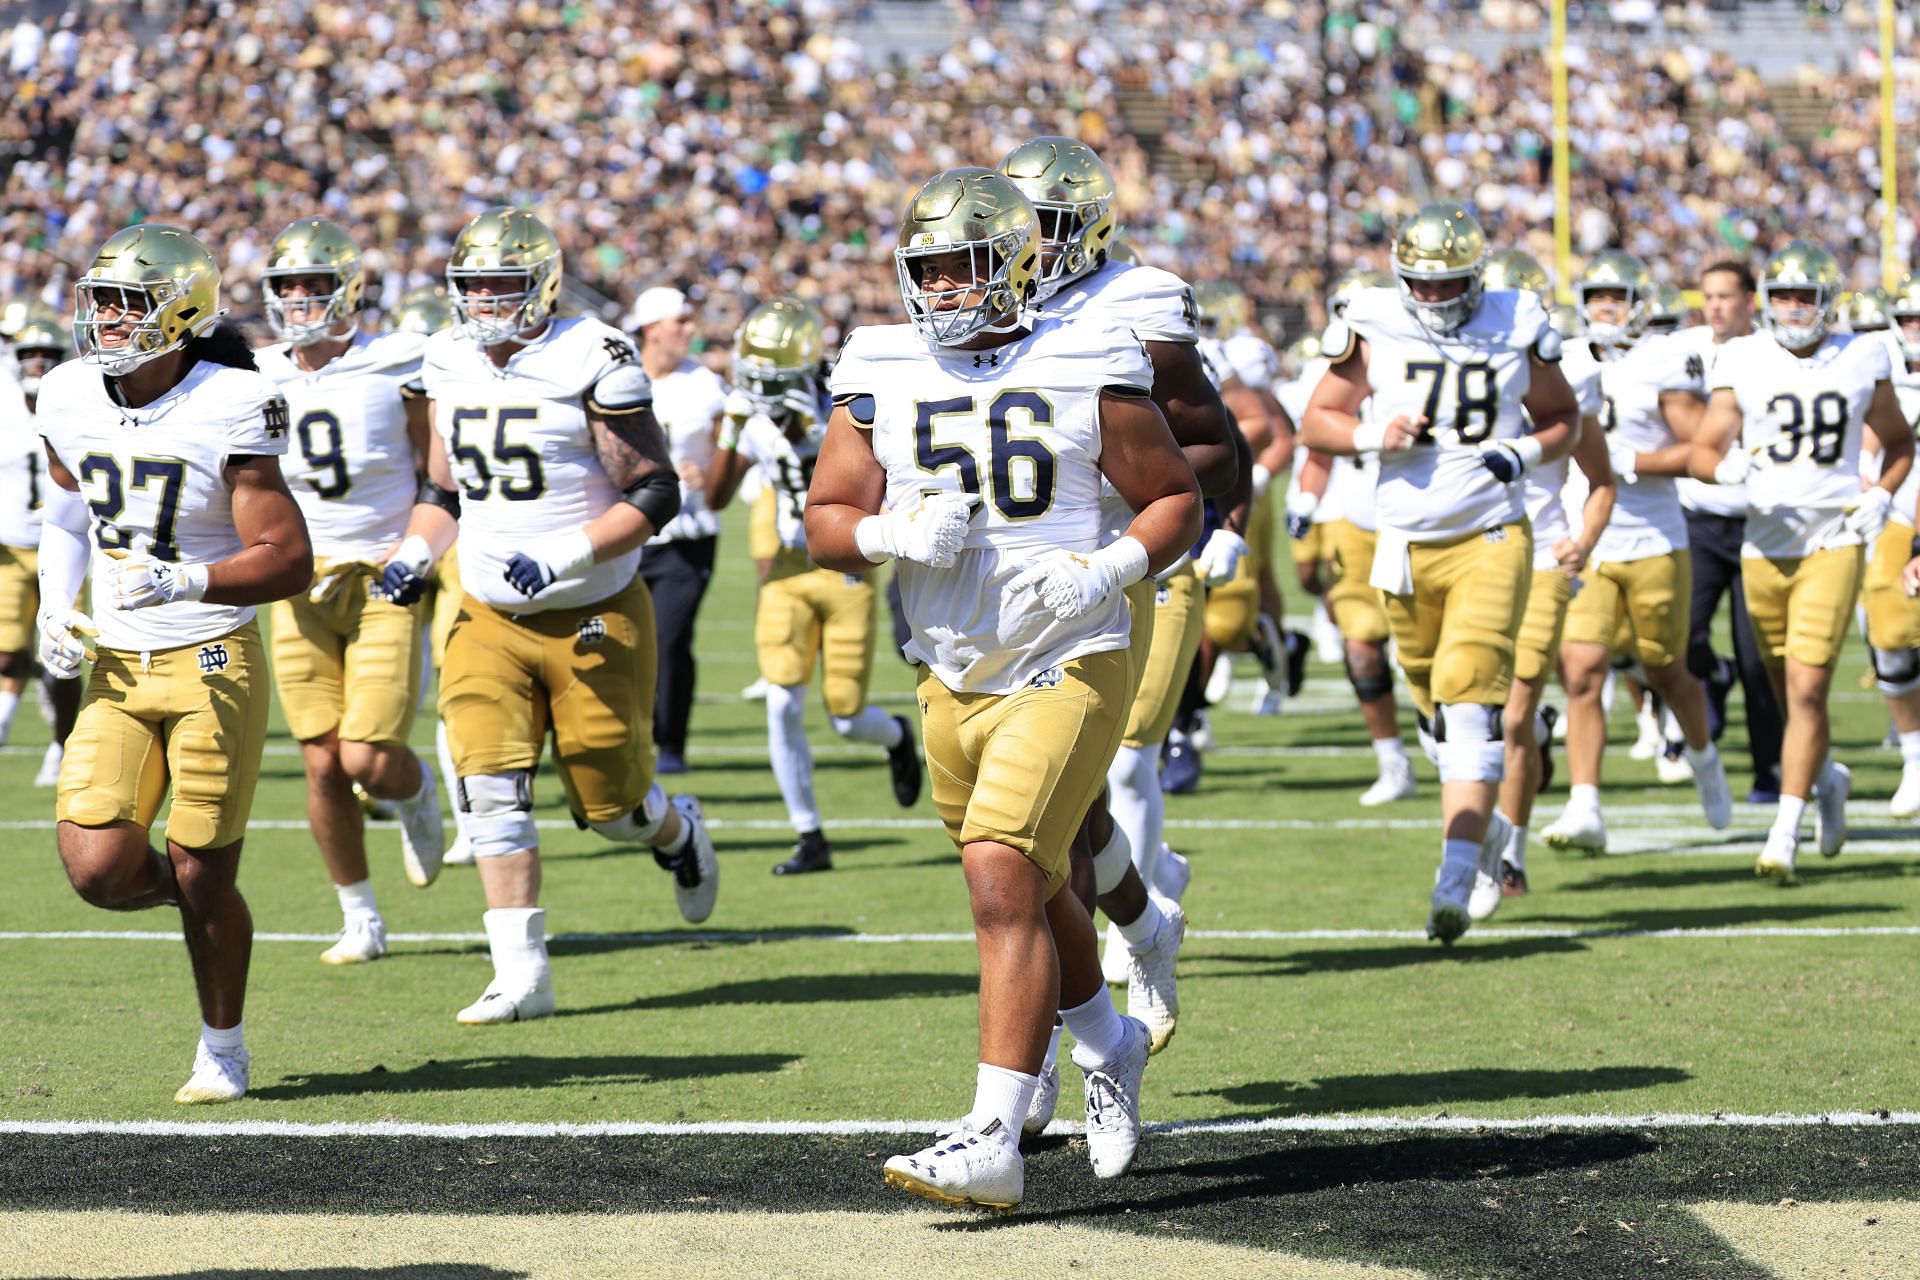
{"x": 1336, "y": 344}
{"x": 625, "y": 388}
{"x": 1548, "y": 347}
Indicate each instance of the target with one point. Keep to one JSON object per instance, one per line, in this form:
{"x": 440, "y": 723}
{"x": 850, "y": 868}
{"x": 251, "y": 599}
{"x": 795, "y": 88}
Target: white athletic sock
{"x": 449, "y": 779}
{"x": 1390, "y": 752}
{"x": 1004, "y": 1095}
{"x": 1910, "y": 747}
{"x": 1787, "y": 820}
{"x": 9, "y": 703}
{"x": 1704, "y": 758}
{"x": 1052, "y": 1054}
{"x": 1138, "y": 806}
{"x": 1582, "y": 794}
{"x": 1097, "y": 1030}
{"x": 1141, "y": 932}
{"x": 517, "y": 940}
{"x": 869, "y": 724}
{"x": 792, "y": 757}
{"x": 224, "y": 1039}
{"x": 357, "y": 899}
{"x": 1516, "y": 850}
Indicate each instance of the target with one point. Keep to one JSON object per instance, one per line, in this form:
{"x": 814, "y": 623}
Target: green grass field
{"x": 1662, "y": 978}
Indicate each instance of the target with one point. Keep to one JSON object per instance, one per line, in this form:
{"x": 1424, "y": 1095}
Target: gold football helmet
{"x": 1073, "y": 193}
{"x": 41, "y": 342}
{"x": 1614, "y": 269}
{"x": 1565, "y": 319}
{"x": 422, "y": 310}
{"x": 1224, "y": 308}
{"x": 1441, "y": 242}
{"x": 1666, "y": 307}
{"x": 1800, "y": 267}
{"x": 1300, "y": 353}
{"x": 778, "y": 350}
{"x": 978, "y": 213}
{"x": 161, "y": 272}
{"x": 1868, "y": 310}
{"x": 1342, "y": 294}
{"x": 13, "y": 317}
{"x": 1518, "y": 269}
{"x": 500, "y": 244}
{"x": 1905, "y": 310}
{"x": 313, "y": 247}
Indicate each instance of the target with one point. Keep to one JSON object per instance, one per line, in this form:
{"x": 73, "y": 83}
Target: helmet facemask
{"x": 1445, "y": 316}
{"x": 1797, "y": 337}
{"x": 1906, "y": 325}
{"x": 1073, "y": 242}
{"x": 146, "y": 339}
{"x": 305, "y": 333}
{"x": 1621, "y": 334}
{"x": 494, "y": 318}
{"x": 990, "y": 264}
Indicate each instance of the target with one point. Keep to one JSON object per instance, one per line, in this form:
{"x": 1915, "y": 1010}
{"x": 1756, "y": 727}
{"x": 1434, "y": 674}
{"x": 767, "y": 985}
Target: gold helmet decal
{"x": 1666, "y": 307}
{"x": 423, "y": 310}
{"x": 1801, "y": 266}
{"x": 312, "y": 247}
{"x": 778, "y": 349}
{"x": 161, "y": 273}
{"x": 497, "y": 248}
{"x": 1518, "y": 269}
{"x": 1868, "y": 310}
{"x": 1341, "y": 296}
{"x": 1300, "y": 353}
{"x": 1224, "y": 307}
{"x": 1440, "y": 242}
{"x": 977, "y": 215}
{"x": 1615, "y": 271}
{"x": 1073, "y": 194}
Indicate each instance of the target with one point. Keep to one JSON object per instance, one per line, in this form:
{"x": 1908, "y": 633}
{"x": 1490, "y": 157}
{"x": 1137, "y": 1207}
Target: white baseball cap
{"x": 655, "y": 305}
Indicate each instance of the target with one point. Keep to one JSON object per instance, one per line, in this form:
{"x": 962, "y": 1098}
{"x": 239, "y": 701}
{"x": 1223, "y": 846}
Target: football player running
{"x": 346, "y": 660}
{"x": 1893, "y": 613}
{"x": 545, "y": 425}
{"x": 163, "y": 444}
{"x": 1080, "y": 278}
{"x": 1786, "y": 413}
{"x": 1455, "y": 374}
{"x": 1640, "y": 572}
{"x": 775, "y": 420}
{"x": 40, "y": 341}
{"x": 987, "y": 439}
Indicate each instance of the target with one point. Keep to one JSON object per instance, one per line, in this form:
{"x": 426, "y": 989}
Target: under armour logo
{"x": 986, "y": 359}
{"x": 1048, "y": 679}
{"x": 1496, "y": 535}
{"x": 213, "y": 657}
{"x": 592, "y": 630}
{"x": 1162, "y": 594}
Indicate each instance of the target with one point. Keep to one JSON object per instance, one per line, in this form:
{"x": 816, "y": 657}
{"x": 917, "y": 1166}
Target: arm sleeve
{"x": 63, "y": 548}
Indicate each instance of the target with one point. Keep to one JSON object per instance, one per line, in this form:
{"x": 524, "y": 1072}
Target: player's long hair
{"x": 226, "y": 344}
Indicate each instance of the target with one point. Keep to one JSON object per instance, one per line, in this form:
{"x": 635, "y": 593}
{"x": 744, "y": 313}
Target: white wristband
{"x": 1261, "y": 479}
{"x": 730, "y": 429}
{"x": 1369, "y": 437}
{"x": 571, "y": 552}
{"x": 414, "y": 553}
{"x": 192, "y": 579}
{"x": 873, "y": 536}
{"x": 1528, "y": 450}
{"x": 1128, "y": 556}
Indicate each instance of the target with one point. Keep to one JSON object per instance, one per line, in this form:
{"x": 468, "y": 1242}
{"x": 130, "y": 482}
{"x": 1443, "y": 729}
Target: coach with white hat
{"x": 678, "y": 563}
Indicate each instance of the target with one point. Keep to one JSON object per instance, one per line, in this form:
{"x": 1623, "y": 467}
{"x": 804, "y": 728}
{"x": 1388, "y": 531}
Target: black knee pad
{"x": 1898, "y": 670}
{"x": 1371, "y": 688}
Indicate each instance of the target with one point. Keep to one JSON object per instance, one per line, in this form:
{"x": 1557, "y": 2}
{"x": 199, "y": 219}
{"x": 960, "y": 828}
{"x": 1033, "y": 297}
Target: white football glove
{"x": 1869, "y": 516}
{"x": 141, "y": 582}
{"x": 1071, "y": 583}
{"x": 66, "y": 637}
{"x": 734, "y": 414}
{"x": 1220, "y": 557}
{"x": 929, "y": 531}
{"x": 1735, "y": 467}
{"x": 1623, "y": 457}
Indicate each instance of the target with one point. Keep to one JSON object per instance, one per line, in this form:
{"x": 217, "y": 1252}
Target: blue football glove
{"x": 552, "y": 559}
{"x": 1505, "y": 462}
{"x": 528, "y": 576}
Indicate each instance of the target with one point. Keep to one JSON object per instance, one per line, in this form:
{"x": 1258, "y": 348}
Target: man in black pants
{"x": 1716, "y": 527}
{"x": 678, "y": 564}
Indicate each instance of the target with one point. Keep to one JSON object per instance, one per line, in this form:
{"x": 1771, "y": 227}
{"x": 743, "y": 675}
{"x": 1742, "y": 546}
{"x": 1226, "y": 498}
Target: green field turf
{"x": 1651, "y": 980}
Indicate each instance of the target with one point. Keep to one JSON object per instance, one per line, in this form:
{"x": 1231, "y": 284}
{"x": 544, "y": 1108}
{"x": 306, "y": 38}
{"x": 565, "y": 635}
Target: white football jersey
{"x": 1020, "y": 426}
{"x": 23, "y": 469}
{"x": 350, "y": 460}
{"x": 518, "y": 444}
{"x": 1469, "y": 384}
{"x": 1252, "y": 359}
{"x": 1647, "y": 517}
{"x": 1557, "y": 491}
{"x": 788, "y": 468}
{"x": 1157, "y": 305}
{"x": 155, "y": 481}
{"x": 1351, "y": 481}
{"x": 1698, "y": 495}
{"x": 687, "y": 402}
{"x": 1906, "y": 386}
{"x": 1806, "y": 418}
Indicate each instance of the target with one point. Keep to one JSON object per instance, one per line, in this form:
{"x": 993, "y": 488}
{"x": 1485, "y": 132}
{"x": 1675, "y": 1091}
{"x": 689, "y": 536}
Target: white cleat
{"x": 1484, "y": 900}
{"x": 1577, "y": 828}
{"x": 1113, "y": 1103}
{"x": 1045, "y": 1099}
{"x": 1152, "y": 997}
{"x": 499, "y": 1003}
{"x": 1906, "y": 797}
{"x": 1171, "y": 876}
{"x": 757, "y": 691}
{"x": 696, "y": 871}
{"x": 459, "y": 853}
{"x": 423, "y": 840}
{"x": 1716, "y": 796}
{"x": 364, "y": 938}
{"x": 1449, "y": 916}
{"x": 49, "y": 775}
{"x": 965, "y": 1167}
{"x": 1220, "y": 680}
{"x": 1830, "y": 809}
{"x": 217, "y": 1077}
{"x": 1650, "y": 742}
{"x": 1396, "y": 782}
{"x": 1269, "y": 701}
{"x": 1671, "y": 770}
{"x": 1201, "y": 739}
{"x": 1115, "y": 962}
{"x": 1776, "y": 859}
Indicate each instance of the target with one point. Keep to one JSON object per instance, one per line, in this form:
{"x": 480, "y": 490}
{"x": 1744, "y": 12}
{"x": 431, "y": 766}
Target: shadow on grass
{"x": 1391, "y": 956}
{"x": 416, "y": 1271}
{"x": 1333, "y": 1094}
{"x": 802, "y": 988}
{"x": 1732, "y": 917}
{"x": 517, "y": 1071}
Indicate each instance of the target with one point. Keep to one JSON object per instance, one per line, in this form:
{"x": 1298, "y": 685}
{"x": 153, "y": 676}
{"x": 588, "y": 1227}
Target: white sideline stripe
{"x": 894, "y": 939}
{"x": 842, "y": 1128}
